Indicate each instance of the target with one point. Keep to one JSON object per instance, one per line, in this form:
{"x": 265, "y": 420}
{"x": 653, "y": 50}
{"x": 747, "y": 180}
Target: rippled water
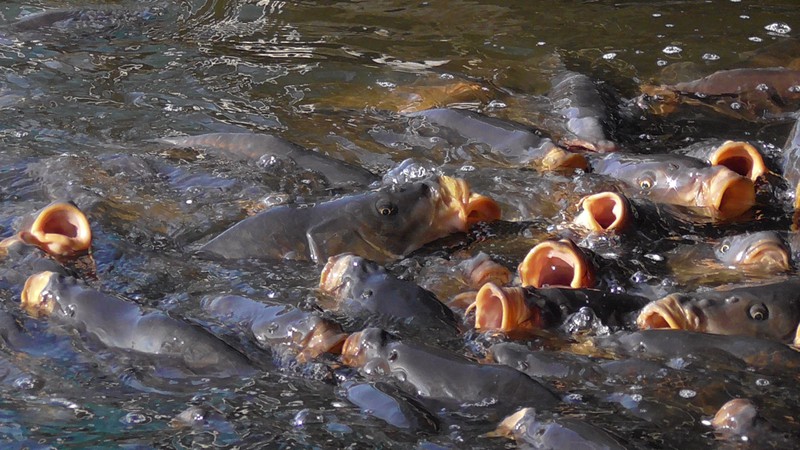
{"x": 82, "y": 102}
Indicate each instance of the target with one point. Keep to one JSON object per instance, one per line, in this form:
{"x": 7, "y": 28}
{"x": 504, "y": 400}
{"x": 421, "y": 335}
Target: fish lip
{"x": 668, "y": 312}
{"x": 60, "y": 229}
{"x": 510, "y": 424}
{"x": 729, "y": 194}
{"x": 331, "y": 279}
{"x": 326, "y": 337}
{"x": 482, "y": 269}
{"x": 515, "y": 315}
{"x": 558, "y": 158}
{"x": 735, "y": 416}
{"x": 352, "y": 354}
{"x": 531, "y": 269}
{"x": 596, "y": 209}
{"x": 740, "y": 151}
{"x": 34, "y": 298}
{"x": 460, "y": 208}
{"x": 767, "y": 254}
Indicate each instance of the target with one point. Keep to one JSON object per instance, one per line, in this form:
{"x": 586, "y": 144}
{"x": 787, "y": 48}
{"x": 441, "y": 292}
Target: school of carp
{"x": 520, "y": 303}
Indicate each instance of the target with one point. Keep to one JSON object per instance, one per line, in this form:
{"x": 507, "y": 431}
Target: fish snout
{"x": 605, "y": 211}
{"x": 60, "y": 229}
{"x": 332, "y": 276}
{"x": 35, "y": 298}
{"x": 668, "y": 312}
{"x": 741, "y": 158}
{"x": 460, "y": 208}
{"x": 729, "y": 194}
{"x": 767, "y": 256}
{"x": 352, "y": 351}
{"x": 559, "y": 159}
{"x": 556, "y": 264}
{"x": 504, "y": 309}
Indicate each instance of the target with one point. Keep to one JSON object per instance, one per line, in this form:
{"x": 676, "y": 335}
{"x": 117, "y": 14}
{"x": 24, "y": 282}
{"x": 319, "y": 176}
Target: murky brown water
{"x": 81, "y": 104}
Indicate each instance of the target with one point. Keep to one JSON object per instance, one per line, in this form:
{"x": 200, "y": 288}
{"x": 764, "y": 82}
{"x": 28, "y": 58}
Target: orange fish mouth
{"x": 332, "y": 275}
{"x": 558, "y": 158}
{"x": 503, "y": 309}
{"x": 461, "y": 209}
{"x": 556, "y": 264}
{"x": 35, "y": 299}
{"x": 741, "y": 158}
{"x": 729, "y": 194}
{"x": 326, "y": 337}
{"x": 352, "y": 354}
{"x": 734, "y": 416}
{"x": 767, "y": 255}
{"x": 668, "y": 313}
{"x": 603, "y": 212}
{"x": 60, "y": 229}
{"x": 481, "y": 269}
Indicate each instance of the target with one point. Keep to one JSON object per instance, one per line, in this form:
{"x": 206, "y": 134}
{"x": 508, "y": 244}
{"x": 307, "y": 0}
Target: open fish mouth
{"x": 741, "y": 158}
{"x": 503, "y": 309}
{"x": 556, "y": 264}
{"x": 482, "y": 269}
{"x": 332, "y": 277}
{"x": 352, "y": 354}
{"x": 605, "y": 211}
{"x": 729, "y": 194}
{"x": 60, "y": 229}
{"x": 327, "y": 337}
{"x": 668, "y": 312}
{"x": 461, "y": 208}
{"x": 34, "y": 299}
{"x": 770, "y": 255}
{"x": 558, "y": 158}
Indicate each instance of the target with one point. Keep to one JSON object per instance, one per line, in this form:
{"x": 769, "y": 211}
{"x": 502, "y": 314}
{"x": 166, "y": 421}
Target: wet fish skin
{"x": 533, "y": 430}
{"x": 436, "y": 374}
{"x": 124, "y": 325}
{"x": 362, "y": 287}
{"x": 276, "y": 327}
{"x": 770, "y": 311}
{"x": 380, "y": 225}
{"x": 761, "y": 250}
{"x": 392, "y": 405}
{"x": 791, "y": 164}
{"x": 256, "y": 147}
{"x": 577, "y": 98}
{"x": 514, "y": 143}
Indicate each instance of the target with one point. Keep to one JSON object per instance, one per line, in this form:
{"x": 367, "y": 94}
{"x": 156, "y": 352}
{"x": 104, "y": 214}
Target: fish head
{"x": 736, "y": 312}
{"x": 36, "y": 298}
{"x": 725, "y": 193}
{"x": 763, "y": 250}
{"x": 741, "y": 158}
{"x": 504, "y": 309}
{"x": 343, "y": 272}
{"x": 556, "y": 264}
{"x": 361, "y": 347}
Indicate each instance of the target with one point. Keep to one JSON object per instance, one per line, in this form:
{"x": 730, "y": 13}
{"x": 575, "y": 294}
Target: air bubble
{"x": 754, "y": 39}
{"x": 687, "y": 393}
{"x": 762, "y": 87}
{"x": 386, "y": 84}
{"x": 609, "y": 56}
{"x": 710, "y": 56}
{"x": 672, "y": 49}
{"x": 736, "y": 106}
{"x": 762, "y": 382}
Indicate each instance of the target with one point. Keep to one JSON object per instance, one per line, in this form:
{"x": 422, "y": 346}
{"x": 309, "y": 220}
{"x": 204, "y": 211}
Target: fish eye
{"x": 386, "y": 208}
{"x": 758, "y": 312}
{"x": 724, "y": 248}
{"x": 646, "y": 184}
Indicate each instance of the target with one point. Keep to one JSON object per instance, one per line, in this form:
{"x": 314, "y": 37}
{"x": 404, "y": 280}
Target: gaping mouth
{"x": 33, "y": 299}
{"x": 351, "y": 351}
{"x": 767, "y": 255}
{"x": 735, "y": 416}
{"x": 668, "y": 313}
{"x": 503, "y": 309}
{"x": 558, "y": 158}
{"x": 605, "y": 211}
{"x": 556, "y": 264}
{"x": 60, "y": 229}
{"x": 462, "y": 208}
{"x": 729, "y": 194}
{"x": 332, "y": 275}
{"x": 327, "y": 337}
{"x": 741, "y": 158}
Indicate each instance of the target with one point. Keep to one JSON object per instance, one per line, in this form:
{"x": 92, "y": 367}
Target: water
{"x": 82, "y": 102}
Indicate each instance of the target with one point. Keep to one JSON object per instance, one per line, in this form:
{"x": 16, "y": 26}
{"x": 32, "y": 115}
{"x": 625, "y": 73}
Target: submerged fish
{"x": 587, "y": 122}
{"x": 380, "y": 225}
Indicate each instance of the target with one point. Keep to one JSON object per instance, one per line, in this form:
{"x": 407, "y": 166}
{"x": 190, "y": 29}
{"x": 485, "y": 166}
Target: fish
{"x": 791, "y": 165}
{"x": 739, "y": 419}
{"x": 557, "y": 263}
{"x": 392, "y": 405}
{"x": 770, "y": 311}
{"x": 259, "y": 148}
{"x": 744, "y": 94}
{"x": 716, "y": 191}
{"x": 95, "y": 19}
{"x": 530, "y": 430}
{"x": 578, "y": 100}
{"x": 380, "y": 225}
{"x": 436, "y": 374}
{"x": 741, "y": 157}
{"x": 280, "y": 328}
{"x": 518, "y": 310}
{"x": 760, "y": 250}
{"x": 121, "y": 324}
{"x": 604, "y": 212}
{"x": 360, "y": 287}
{"x": 513, "y": 143}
